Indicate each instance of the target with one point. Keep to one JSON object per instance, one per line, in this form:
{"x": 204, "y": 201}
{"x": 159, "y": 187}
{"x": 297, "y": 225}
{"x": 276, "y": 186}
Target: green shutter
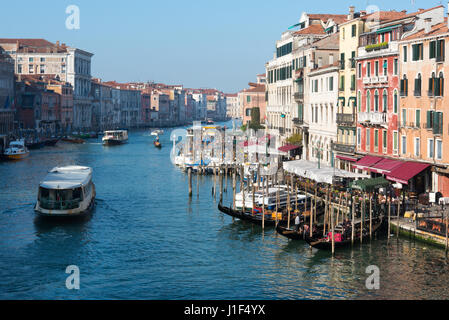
{"x": 436, "y": 123}
{"x": 418, "y": 118}
{"x": 432, "y": 49}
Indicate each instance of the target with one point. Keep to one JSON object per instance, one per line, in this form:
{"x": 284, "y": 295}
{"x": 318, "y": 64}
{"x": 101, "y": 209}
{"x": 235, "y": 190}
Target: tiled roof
{"x": 338, "y": 18}
{"x": 312, "y": 29}
{"x": 386, "y": 15}
{"x": 438, "y": 29}
{"x": 29, "y": 42}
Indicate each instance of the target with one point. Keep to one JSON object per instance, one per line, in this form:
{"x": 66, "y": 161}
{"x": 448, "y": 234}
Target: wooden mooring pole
{"x": 352, "y": 220}
{"x": 190, "y": 181}
{"x": 389, "y": 216}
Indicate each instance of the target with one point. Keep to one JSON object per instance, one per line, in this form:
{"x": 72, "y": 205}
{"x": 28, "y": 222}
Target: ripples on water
{"x": 146, "y": 240}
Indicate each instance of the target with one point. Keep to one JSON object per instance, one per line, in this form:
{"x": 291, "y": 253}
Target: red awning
{"x": 347, "y": 158}
{"x": 407, "y": 171}
{"x": 261, "y": 141}
{"x": 288, "y": 147}
{"x": 386, "y": 166}
{"x": 366, "y": 162}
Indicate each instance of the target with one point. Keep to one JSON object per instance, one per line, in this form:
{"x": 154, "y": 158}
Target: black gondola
{"x": 51, "y": 142}
{"x": 326, "y": 243}
{"x": 294, "y": 233}
{"x": 35, "y": 145}
{"x": 255, "y": 218}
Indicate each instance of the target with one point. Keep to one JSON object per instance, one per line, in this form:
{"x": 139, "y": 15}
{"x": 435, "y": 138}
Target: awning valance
{"x": 370, "y": 184}
{"x": 347, "y": 158}
{"x": 289, "y": 147}
{"x": 387, "y": 29}
{"x": 407, "y": 171}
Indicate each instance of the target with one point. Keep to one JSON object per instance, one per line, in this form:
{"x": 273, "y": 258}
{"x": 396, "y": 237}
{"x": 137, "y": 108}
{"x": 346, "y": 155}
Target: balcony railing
{"x": 345, "y": 118}
{"x": 298, "y": 96}
{"x": 383, "y": 79}
{"x": 410, "y": 125}
{"x": 375, "y": 118}
{"x": 298, "y": 121}
{"x": 439, "y": 58}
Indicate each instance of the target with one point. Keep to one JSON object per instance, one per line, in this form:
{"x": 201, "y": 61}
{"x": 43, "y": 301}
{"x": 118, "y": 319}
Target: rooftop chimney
{"x": 57, "y": 43}
{"x": 427, "y": 26}
{"x": 351, "y": 12}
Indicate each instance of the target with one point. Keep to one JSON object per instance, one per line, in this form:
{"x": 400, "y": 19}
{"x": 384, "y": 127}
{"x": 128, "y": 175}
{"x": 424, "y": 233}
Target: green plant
{"x": 377, "y": 46}
{"x": 295, "y": 139}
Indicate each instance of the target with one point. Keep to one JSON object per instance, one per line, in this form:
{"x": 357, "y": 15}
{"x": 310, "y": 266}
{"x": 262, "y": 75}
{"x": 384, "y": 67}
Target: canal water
{"x": 146, "y": 240}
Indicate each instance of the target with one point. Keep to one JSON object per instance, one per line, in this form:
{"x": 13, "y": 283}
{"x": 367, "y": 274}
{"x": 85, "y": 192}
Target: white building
{"x": 322, "y": 113}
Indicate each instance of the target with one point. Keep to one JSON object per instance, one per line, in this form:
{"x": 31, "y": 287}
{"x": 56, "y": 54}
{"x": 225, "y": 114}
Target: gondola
{"x": 255, "y": 218}
{"x": 74, "y": 140}
{"x": 293, "y": 233}
{"x": 325, "y": 243}
{"x": 51, "y": 142}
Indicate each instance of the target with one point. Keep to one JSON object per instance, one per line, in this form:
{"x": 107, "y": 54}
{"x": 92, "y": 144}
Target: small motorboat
{"x": 16, "y": 151}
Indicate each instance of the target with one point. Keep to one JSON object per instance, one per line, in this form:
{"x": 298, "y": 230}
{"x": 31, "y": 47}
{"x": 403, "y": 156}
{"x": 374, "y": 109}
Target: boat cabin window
{"x": 51, "y": 199}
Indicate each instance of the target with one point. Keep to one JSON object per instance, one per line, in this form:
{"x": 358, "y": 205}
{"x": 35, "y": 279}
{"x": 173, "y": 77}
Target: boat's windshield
{"x": 60, "y": 199}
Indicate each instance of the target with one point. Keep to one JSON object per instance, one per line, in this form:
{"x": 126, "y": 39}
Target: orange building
{"x": 254, "y": 97}
{"x": 424, "y": 105}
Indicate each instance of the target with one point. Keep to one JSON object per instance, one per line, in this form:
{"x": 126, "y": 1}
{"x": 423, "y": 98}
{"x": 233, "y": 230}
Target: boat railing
{"x": 59, "y": 205}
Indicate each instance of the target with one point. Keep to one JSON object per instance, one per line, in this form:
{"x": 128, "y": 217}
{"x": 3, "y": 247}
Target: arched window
{"x": 368, "y": 101}
{"x": 384, "y": 101}
{"x": 441, "y": 84}
{"x": 432, "y": 80}
{"x": 376, "y": 100}
{"x": 395, "y": 101}
{"x": 417, "y": 92}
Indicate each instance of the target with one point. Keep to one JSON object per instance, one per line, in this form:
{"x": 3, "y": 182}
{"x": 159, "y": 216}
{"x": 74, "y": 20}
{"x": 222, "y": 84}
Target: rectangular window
{"x": 404, "y": 53}
{"x": 404, "y": 145}
{"x": 418, "y": 118}
{"x": 359, "y": 137}
{"x": 395, "y": 67}
{"x": 376, "y": 139}
{"x": 395, "y": 141}
{"x": 342, "y": 61}
{"x": 417, "y": 146}
{"x": 19, "y": 68}
{"x": 30, "y": 68}
{"x": 430, "y": 148}
{"x": 432, "y": 49}
{"x": 384, "y": 140}
{"x": 439, "y": 149}
{"x": 417, "y": 52}
{"x": 376, "y": 68}
{"x": 385, "y": 67}
{"x": 353, "y": 82}
{"x": 360, "y": 71}
{"x": 368, "y": 69}
{"x": 353, "y": 30}
{"x": 353, "y": 59}
{"x": 30, "y": 59}
{"x": 404, "y": 117}
{"x": 368, "y": 138}
{"x": 331, "y": 84}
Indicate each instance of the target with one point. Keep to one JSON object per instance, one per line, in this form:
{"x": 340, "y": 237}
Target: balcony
{"x": 343, "y": 147}
{"x": 377, "y": 49}
{"x": 439, "y": 59}
{"x": 373, "y": 118}
{"x": 298, "y": 121}
{"x": 345, "y": 119}
{"x": 374, "y": 79}
{"x": 383, "y": 79}
{"x": 366, "y": 80}
{"x": 298, "y": 96}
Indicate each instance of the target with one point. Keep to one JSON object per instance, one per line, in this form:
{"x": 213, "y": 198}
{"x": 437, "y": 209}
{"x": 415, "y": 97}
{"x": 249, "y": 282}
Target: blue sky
{"x": 198, "y": 43}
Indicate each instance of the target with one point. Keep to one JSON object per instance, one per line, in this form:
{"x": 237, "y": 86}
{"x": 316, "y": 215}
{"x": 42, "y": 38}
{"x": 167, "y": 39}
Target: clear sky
{"x": 198, "y": 43}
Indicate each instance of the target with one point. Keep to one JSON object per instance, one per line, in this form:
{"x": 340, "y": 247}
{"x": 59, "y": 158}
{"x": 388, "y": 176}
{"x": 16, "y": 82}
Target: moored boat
{"x": 35, "y": 144}
{"x": 51, "y": 142}
{"x": 343, "y": 235}
{"x": 66, "y": 192}
{"x": 16, "y": 150}
{"x": 157, "y": 144}
{"x": 115, "y": 137}
{"x": 74, "y": 140}
{"x": 157, "y": 132}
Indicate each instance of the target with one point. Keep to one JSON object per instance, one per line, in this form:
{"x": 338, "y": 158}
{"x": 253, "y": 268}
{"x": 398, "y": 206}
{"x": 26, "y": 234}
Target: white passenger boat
{"x": 115, "y": 137}
{"x": 16, "y": 150}
{"x": 270, "y": 198}
{"x": 66, "y": 192}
